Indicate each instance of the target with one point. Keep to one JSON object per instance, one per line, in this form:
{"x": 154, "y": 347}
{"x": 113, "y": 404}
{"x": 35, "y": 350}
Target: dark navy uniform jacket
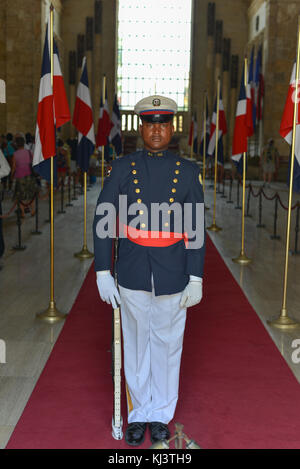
{"x": 147, "y": 178}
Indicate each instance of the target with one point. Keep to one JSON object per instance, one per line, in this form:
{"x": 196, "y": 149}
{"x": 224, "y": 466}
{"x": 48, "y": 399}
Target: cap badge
{"x": 156, "y": 102}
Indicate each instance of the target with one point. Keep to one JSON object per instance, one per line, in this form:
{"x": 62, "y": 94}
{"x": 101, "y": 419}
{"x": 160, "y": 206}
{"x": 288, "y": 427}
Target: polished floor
{"x": 24, "y": 283}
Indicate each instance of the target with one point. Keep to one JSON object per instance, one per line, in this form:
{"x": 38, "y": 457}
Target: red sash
{"x": 158, "y": 239}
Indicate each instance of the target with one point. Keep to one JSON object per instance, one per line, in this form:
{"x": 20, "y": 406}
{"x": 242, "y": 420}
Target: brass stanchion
{"x": 84, "y": 253}
{"x": 51, "y": 315}
{"x": 284, "y": 321}
{"x": 214, "y": 227}
{"x": 242, "y": 258}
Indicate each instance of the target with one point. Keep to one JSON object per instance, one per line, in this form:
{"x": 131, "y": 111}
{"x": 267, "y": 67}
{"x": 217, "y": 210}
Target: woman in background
{"x": 26, "y": 185}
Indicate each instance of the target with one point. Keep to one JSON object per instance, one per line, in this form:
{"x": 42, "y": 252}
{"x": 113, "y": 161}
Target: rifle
{"x": 117, "y": 421}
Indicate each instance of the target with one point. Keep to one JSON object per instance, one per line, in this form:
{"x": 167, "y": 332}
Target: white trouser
{"x": 153, "y": 329}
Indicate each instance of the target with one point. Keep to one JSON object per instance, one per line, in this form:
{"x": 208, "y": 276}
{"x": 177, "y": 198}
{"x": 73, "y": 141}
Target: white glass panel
{"x": 154, "y": 41}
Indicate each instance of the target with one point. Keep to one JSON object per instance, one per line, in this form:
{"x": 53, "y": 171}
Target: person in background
{"x": 8, "y": 151}
{"x": 26, "y": 185}
{"x": 29, "y": 145}
{"x": 269, "y": 161}
{"x": 72, "y": 142}
{"x": 4, "y": 172}
{"x": 62, "y": 161}
{"x": 93, "y": 167}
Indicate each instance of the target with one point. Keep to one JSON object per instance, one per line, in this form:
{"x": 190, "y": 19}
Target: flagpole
{"x": 284, "y": 321}
{"x": 103, "y": 147}
{"x": 84, "y": 253}
{"x": 214, "y": 226}
{"x": 51, "y": 315}
{"x": 242, "y": 258}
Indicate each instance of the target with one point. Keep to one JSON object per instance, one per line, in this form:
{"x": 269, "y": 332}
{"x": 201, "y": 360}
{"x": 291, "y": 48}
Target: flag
{"x": 259, "y": 85}
{"x": 53, "y": 112}
{"x": 105, "y": 125}
{"x": 83, "y": 121}
{"x": 115, "y": 136}
{"x": 193, "y": 137}
{"x": 252, "y": 87}
{"x": 286, "y": 128}
{"x": 207, "y": 120}
{"x": 243, "y": 124}
{"x": 222, "y": 130}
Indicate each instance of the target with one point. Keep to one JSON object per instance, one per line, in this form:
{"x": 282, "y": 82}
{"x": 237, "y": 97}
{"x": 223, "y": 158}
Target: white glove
{"x": 192, "y": 294}
{"x": 107, "y": 288}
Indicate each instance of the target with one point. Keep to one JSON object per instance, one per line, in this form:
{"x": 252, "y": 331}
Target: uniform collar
{"x": 158, "y": 154}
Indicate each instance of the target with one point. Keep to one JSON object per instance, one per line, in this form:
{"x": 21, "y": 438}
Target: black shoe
{"x": 135, "y": 433}
{"x": 159, "y": 431}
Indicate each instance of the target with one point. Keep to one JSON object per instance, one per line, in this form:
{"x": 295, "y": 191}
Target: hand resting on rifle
{"x": 107, "y": 288}
{"x": 192, "y": 294}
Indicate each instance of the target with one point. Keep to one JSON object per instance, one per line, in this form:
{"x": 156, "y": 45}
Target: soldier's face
{"x": 156, "y": 136}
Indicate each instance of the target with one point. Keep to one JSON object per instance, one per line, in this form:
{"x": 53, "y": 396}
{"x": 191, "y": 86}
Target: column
{"x": 218, "y": 53}
{"x": 80, "y": 54}
{"x": 234, "y": 73}
{"x": 97, "y": 60}
{"x": 72, "y": 88}
{"x": 89, "y": 38}
{"x": 210, "y": 52}
{"x": 226, "y": 86}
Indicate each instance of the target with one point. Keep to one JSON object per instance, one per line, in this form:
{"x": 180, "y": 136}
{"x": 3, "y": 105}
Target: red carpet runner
{"x": 236, "y": 390}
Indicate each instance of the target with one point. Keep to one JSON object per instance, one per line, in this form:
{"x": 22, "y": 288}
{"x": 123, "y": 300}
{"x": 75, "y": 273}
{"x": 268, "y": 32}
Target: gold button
{"x": 133, "y": 163}
{"x": 173, "y": 190}
{"x": 175, "y": 181}
{"x": 134, "y": 171}
{"x": 137, "y": 191}
{"x": 177, "y": 171}
{"x": 160, "y": 154}
{"x": 143, "y": 225}
{"x": 166, "y": 225}
{"x": 171, "y": 200}
{"x": 136, "y": 181}
{"x": 139, "y": 201}
{"x": 141, "y": 212}
{"x": 178, "y": 163}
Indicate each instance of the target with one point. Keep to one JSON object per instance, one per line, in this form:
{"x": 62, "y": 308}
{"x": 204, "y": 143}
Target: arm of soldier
{"x": 195, "y": 251}
{"x": 104, "y": 230}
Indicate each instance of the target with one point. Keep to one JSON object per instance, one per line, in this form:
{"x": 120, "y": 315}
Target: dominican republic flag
{"x": 115, "y": 136}
{"x": 222, "y": 131}
{"x": 243, "y": 124}
{"x": 259, "y": 85}
{"x": 105, "y": 125}
{"x": 83, "y": 121}
{"x": 207, "y": 130}
{"x": 53, "y": 112}
{"x": 252, "y": 87}
{"x": 286, "y": 128}
{"x": 193, "y": 137}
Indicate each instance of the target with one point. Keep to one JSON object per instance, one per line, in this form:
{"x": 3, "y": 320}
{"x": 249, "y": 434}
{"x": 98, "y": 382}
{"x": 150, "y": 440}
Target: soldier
{"x": 159, "y": 270}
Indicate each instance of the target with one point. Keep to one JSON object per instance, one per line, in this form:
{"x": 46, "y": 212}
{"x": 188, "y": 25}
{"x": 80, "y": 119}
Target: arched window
{"x": 154, "y": 45}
